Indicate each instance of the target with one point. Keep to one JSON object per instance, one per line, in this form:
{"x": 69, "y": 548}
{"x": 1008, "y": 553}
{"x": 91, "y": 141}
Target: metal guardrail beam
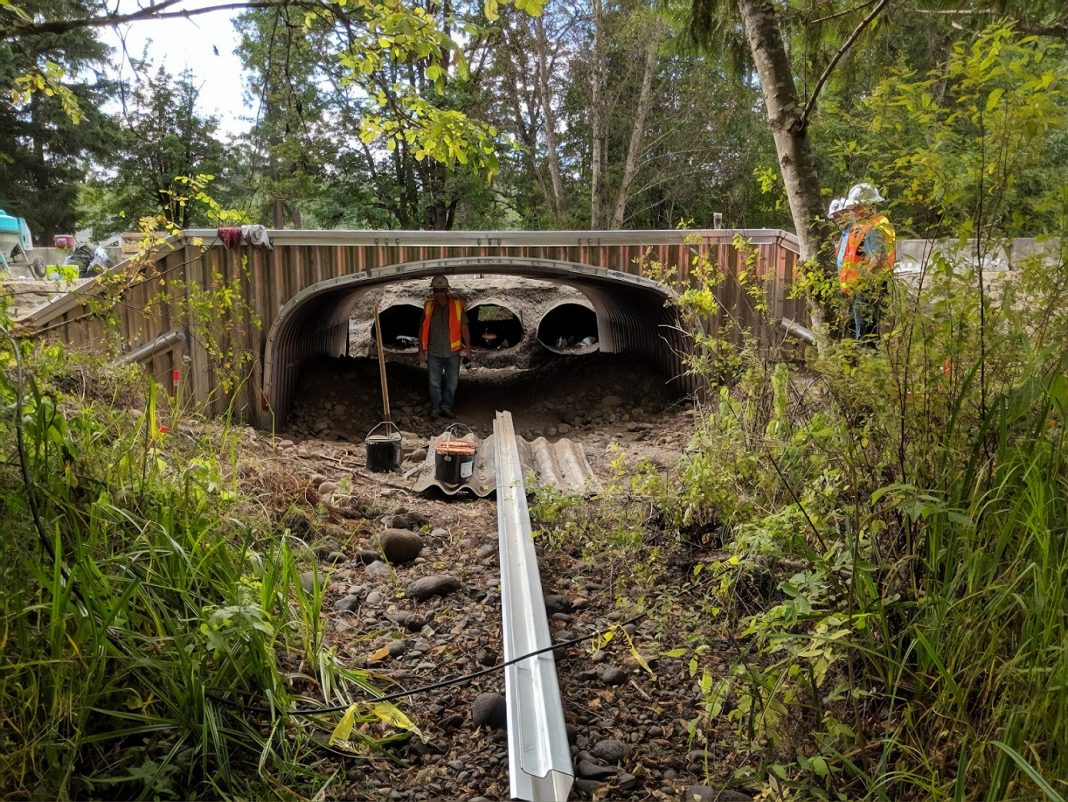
{"x": 161, "y": 343}
{"x": 539, "y": 761}
{"x": 504, "y": 239}
{"x": 797, "y": 330}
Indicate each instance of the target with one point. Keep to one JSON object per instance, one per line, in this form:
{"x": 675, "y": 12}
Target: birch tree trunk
{"x": 637, "y": 133}
{"x": 596, "y": 116}
{"x": 792, "y": 146}
{"x": 549, "y": 116}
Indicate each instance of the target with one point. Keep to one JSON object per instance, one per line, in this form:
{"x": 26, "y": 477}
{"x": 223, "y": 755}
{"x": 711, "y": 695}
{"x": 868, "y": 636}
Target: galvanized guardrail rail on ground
{"x": 539, "y": 760}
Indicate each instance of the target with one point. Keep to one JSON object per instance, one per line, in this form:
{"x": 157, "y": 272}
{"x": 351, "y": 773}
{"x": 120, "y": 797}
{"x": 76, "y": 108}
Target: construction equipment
{"x": 16, "y": 248}
{"x": 90, "y": 259}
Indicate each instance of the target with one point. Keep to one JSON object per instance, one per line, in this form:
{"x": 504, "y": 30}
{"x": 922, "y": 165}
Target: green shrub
{"x": 153, "y": 641}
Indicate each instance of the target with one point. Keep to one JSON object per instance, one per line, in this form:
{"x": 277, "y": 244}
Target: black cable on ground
{"x": 465, "y": 678}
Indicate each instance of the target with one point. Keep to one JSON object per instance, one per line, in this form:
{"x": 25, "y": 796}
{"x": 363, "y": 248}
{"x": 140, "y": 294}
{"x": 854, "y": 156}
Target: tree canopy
{"x": 600, "y": 114}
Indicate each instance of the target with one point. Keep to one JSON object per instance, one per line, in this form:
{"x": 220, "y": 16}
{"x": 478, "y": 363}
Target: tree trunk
{"x": 637, "y": 133}
{"x": 791, "y": 139}
{"x": 549, "y": 116}
{"x": 596, "y": 135}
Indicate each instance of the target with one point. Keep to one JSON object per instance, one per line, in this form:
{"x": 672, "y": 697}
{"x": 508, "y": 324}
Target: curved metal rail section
{"x": 539, "y": 761}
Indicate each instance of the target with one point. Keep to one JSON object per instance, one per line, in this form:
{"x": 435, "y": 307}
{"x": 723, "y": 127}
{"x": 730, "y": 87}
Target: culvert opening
{"x": 400, "y": 327}
{"x": 569, "y": 328}
{"x": 494, "y": 327}
{"x": 631, "y": 321}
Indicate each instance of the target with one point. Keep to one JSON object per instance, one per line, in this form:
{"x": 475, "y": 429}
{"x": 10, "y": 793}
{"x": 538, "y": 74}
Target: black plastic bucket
{"x": 383, "y": 450}
{"x": 454, "y": 460}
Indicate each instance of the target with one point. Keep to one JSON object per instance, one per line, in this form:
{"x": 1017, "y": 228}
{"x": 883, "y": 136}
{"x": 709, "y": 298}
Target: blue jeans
{"x": 444, "y": 376}
{"x": 867, "y": 312}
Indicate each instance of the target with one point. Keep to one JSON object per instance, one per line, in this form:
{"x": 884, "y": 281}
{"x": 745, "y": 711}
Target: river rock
{"x": 435, "y": 585}
{"x": 410, "y": 621}
{"x": 400, "y": 545}
{"x": 704, "y": 793}
{"x": 324, "y": 548}
{"x": 489, "y": 709}
{"x": 610, "y": 750}
{"x": 588, "y": 770}
{"x": 626, "y": 782}
{"x": 611, "y": 675}
{"x": 309, "y": 579}
{"x": 555, "y": 603}
{"x": 405, "y": 520}
{"x": 699, "y": 758}
{"x": 378, "y": 568}
{"x": 347, "y": 604}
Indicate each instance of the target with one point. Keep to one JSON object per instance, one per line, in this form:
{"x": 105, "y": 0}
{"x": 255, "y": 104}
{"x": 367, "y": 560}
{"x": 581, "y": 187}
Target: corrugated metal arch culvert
{"x": 632, "y": 312}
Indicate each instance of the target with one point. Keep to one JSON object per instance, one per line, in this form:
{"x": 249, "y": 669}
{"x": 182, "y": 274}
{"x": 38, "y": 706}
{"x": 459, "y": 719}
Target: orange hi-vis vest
{"x": 456, "y": 308}
{"x": 853, "y": 258}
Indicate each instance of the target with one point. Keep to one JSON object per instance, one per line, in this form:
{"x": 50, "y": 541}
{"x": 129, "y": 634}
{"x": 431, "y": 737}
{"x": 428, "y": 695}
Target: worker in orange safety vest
{"x": 866, "y": 261}
{"x": 443, "y": 333}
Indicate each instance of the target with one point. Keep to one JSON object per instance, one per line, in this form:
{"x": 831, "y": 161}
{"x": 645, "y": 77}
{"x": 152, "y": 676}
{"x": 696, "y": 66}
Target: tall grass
{"x": 151, "y": 642}
{"x": 895, "y": 546}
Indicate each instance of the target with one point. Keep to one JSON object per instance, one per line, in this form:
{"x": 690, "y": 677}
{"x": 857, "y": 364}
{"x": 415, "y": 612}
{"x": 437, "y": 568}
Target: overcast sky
{"x": 203, "y": 43}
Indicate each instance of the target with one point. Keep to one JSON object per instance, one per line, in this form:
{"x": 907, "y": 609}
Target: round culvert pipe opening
{"x": 400, "y": 327}
{"x": 494, "y": 327}
{"x": 569, "y": 328}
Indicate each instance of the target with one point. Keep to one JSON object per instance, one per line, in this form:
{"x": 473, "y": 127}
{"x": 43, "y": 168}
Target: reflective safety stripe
{"x": 456, "y": 307}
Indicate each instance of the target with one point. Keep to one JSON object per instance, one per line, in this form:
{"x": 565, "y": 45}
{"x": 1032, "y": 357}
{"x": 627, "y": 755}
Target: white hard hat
{"x": 837, "y": 205}
{"x": 863, "y": 195}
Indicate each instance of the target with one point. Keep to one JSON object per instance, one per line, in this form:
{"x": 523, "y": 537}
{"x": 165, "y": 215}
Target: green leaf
{"x": 818, "y": 766}
{"x": 994, "y": 97}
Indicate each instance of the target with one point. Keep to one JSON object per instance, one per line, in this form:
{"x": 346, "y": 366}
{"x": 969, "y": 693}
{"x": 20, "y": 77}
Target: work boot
{"x": 448, "y": 413}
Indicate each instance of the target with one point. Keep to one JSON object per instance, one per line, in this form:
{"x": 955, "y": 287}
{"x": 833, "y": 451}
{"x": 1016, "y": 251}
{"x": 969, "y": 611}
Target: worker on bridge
{"x": 866, "y": 261}
{"x": 442, "y": 335}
